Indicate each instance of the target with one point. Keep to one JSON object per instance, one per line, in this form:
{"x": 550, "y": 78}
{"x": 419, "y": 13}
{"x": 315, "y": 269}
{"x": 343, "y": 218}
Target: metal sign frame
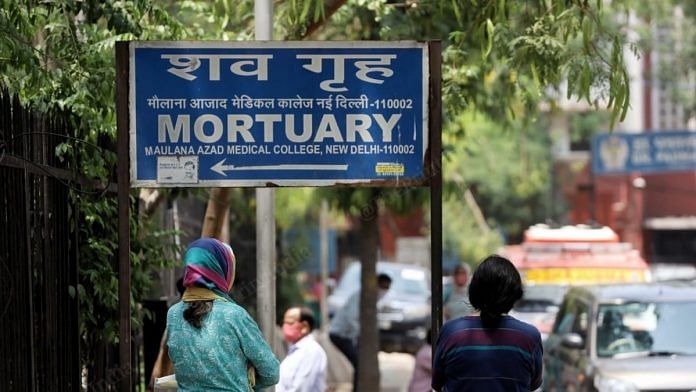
{"x": 187, "y": 100}
{"x": 432, "y": 177}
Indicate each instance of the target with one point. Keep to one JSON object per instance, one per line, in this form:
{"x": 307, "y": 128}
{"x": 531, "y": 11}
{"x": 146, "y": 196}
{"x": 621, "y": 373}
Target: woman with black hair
{"x": 489, "y": 350}
{"x": 213, "y": 343}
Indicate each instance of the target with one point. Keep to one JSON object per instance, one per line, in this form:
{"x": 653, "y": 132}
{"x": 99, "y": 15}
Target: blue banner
{"x": 620, "y": 153}
{"x": 278, "y": 113}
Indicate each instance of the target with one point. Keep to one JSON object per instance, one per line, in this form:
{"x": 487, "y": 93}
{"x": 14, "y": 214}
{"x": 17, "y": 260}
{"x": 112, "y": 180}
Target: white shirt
{"x": 304, "y": 368}
{"x": 346, "y": 321}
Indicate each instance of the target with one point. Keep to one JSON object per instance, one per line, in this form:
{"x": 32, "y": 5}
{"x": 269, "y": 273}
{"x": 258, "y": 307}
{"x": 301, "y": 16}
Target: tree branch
{"x": 216, "y": 213}
{"x": 151, "y": 200}
{"x": 330, "y": 6}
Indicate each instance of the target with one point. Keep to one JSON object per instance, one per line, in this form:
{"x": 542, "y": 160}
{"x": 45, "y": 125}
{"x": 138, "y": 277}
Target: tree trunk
{"x": 150, "y": 200}
{"x": 368, "y": 345}
{"x": 216, "y": 213}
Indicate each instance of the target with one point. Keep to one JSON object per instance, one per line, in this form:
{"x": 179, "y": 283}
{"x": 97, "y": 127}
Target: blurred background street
{"x": 335, "y": 141}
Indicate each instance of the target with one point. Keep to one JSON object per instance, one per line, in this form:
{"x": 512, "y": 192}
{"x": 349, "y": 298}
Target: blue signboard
{"x": 278, "y": 113}
{"x": 620, "y": 153}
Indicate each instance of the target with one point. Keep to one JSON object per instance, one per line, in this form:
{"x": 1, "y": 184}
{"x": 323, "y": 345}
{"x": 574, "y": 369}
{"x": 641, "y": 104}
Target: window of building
{"x": 585, "y": 125}
{"x": 674, "y": 246}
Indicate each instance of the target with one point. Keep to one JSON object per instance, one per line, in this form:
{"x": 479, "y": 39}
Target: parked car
{"x": 403, "y": 314}
{"x": 539, "y": 306}
{"x": 637, "y": 337}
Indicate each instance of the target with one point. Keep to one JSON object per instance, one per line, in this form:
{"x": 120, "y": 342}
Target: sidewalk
{"x": 395, "y": 369}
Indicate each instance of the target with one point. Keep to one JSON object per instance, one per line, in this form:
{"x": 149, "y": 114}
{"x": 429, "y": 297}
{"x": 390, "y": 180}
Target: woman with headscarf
{"x": 212, "y": 341}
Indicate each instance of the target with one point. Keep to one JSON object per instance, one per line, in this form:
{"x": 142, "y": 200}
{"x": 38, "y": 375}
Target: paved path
{"x": 395, "y": 369}
{"x": 395, "y": 372}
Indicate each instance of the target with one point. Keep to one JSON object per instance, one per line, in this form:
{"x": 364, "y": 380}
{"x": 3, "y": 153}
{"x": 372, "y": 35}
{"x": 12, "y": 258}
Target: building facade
{"x": 656, "y": 210}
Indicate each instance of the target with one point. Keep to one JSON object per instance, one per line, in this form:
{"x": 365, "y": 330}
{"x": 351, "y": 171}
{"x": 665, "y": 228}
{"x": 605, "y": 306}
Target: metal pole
{"x": 265, "y": 214}
{"x": 435, "y": 173}
{"x": 30, "y": 283}
{"x": 174, "y": 293}
{"x": 122, "y": 69}
{"x": 266, "y": 263}
{"x": 324, "y": 263}
{"x": 263, "y": 15}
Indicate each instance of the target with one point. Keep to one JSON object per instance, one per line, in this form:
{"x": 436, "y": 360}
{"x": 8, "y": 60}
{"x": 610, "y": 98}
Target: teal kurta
{"x": 215, "y": 357}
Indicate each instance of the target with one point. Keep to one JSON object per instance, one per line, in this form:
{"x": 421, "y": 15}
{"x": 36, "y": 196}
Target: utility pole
{"x": 324, "y": 263}
{"x": 265, "y": 214}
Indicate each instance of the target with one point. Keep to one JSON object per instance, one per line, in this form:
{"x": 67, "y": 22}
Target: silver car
{"x": 539, "y": 306}
{"x": 624, "y": 338}
{"x": 403, "y": 315}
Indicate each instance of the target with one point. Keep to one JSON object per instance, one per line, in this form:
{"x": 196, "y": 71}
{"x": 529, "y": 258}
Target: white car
{"x": 404, "y": 312}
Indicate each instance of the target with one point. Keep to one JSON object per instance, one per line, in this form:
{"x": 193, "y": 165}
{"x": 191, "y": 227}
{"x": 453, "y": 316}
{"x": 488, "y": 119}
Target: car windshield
{"x": 653, "y": 328}
{"x": 408, "y": 281}
{"x": 405, "y": 280}
{"x": 541, "y": 298}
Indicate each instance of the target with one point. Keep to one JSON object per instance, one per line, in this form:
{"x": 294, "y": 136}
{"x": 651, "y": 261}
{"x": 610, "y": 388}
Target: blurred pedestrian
{"x": 304, "y": 367}
{"x": 213, "y": 342}
{"x": 455, "y": 297}
{"x": 489, "y": 351}
{"x": 344, "y": 330}
{"x": 423, "y": 368}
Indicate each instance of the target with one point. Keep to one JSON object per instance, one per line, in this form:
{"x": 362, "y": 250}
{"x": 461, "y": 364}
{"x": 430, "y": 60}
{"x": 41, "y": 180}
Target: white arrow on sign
{"x": 220, "y": 167}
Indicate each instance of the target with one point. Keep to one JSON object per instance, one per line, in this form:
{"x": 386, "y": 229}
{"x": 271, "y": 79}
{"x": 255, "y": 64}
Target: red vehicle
{"x": 551, "y": 260}
{"x": 576, "y": 255}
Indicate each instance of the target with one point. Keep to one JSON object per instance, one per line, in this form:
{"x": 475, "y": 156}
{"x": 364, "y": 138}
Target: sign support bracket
{"x": 435, "y": 176}
{"x": 123, "y": 169}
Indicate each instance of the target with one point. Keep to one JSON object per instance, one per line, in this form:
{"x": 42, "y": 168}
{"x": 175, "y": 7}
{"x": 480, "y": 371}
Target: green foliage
{"x": 357, "y": 201}
{"x": 463, "y": 236}
{"x": 675, "y": 50}
{"x": 214, "y": 20}
{"x": 506, "y": 168}
{"x": 501, "y": 56}
{"x": 500, "y": 60}
{"x": 585, "y": 125}
{"x": 295, "y": 205}
{"x": 60, "y": 56}
{"x": 292, "y": 17}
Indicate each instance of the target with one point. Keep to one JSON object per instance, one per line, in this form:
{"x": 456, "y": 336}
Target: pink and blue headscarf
{"x": 210, "y": 263}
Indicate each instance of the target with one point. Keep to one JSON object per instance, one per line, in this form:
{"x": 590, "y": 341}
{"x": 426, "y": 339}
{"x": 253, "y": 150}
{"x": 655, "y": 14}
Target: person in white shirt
{"x": 304, "y": 368}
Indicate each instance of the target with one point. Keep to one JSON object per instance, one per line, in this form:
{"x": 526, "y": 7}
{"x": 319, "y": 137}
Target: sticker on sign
{"x": 177, "y": 170}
